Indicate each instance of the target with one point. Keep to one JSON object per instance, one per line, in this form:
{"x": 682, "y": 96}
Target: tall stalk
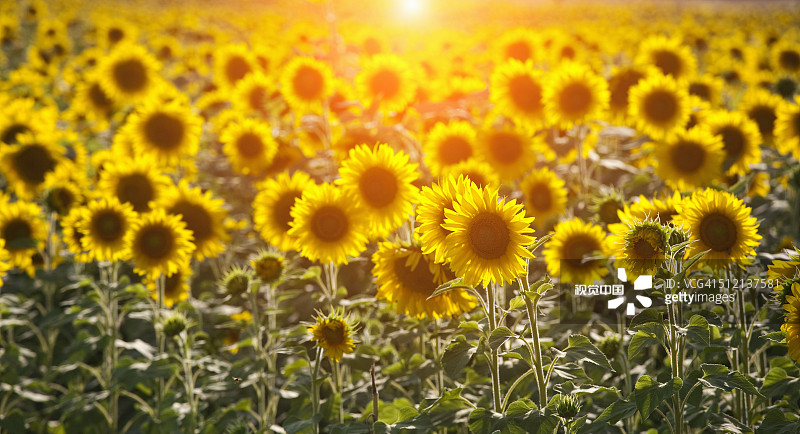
{"x": 494, "y": 362}
{"x": 532, "y": 308}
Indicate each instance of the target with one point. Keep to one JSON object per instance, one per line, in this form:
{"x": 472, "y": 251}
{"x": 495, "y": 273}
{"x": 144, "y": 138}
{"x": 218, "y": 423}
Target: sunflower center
{"x": 268, "y": 268}
{"x": 700, "y": 89}
{"x": 156, "y": 242}
{"x": 419, "y": 279}
{"x": 99, "y": 97}
{"x": 250, "y": 145}
{"x": 687, "y": 157}
{"x": 660, "y": 106}
{"x": 282, "y": 211}
{"x": 796, "y": 124}
{"x": 765, "y": 117}
{"x": 506, "y": 147}
{"x": 608, "y": 211}
{"x": 525, "y": 93}
{"x": 668, "y": 62}
{"x": 718, "y": 231}
{"x": 577, "y": 247}
{"x": 785, "y": 87}
{"x": 488, "y": 235}
{"x": 11, "y": 133}
{"x": 518, "y": 50}
{"x": 236, "y": 68}
{"x": 130, "y": 75}
{"x": 32, "y": 163}
{"x": 476, "y": 177}
{"x": 330, "y": 223}
{"x": 197, "y": 219}
{"x": 620, "y": 88}
{"x": 308, "y": 83}
{"x": 60, "y": 199}
{"x": 567, "y": 52}
{"x": 385, "y": 84}
{"x": 172, "y": 286}
{"x": 643, "y": 249}
{"x": 16, "y": 230}
{"x": 164, "y": 131}
{"x": 733, "y": 141}
{"x": 575, "y": 99}
{"x": 789, "y": 60}
{"x": 137, "y": 190}
{"x": 541, "y": 198}
{"x": 257, "y": 98}
{"x": 333, "y": 333}
{"x": 378, "y": 186}
{"x": 454, "y": 149}
{"x": 108, "y": 225}
{"x": 115, "y": 35}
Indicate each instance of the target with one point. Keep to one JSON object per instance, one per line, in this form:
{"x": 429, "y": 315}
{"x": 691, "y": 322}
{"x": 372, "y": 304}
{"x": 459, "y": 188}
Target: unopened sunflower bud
{"x": 568, "y": 407}
{"x": 236, "y": 281}
{"x": 174, "y": 323}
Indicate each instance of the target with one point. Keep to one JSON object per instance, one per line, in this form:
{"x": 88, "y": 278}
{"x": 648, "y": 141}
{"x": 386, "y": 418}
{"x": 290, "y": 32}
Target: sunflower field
{"x": 338, "y": 216}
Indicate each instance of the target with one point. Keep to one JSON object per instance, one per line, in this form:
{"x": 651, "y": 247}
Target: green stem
{"x": 189, "y": 381}
{"x": 494, "y": 363}
{"x": 537, "y": 347}
{"x": 337, "y": 384}
{"x": 744, "y": 354}
{"x": 162, "y": 343}
{"x": 111, "y": 354}
{"x": 674, "y": 352}
{"x": 437, "y": 356}
{"x": 315, "y": 392}
{"x": 260, "y": 385}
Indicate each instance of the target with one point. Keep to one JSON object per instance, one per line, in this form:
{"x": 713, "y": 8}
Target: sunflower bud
{"x": 236, "y": 281}
{"x": 268, "y": 267}
{"x": 568, "y": 406}
{"x": 610, "y": 346}
{"x": 173, "y": 324}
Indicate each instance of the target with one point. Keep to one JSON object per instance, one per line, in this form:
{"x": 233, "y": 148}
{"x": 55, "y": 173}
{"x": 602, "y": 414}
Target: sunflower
{"x": 386, "y": 80}
{"x": 785, "y": 270}
{"x": 22, "y": 116}
{"x": 740, "y": 140}
{"x": 787, "y": 128}
{"x": 606, "y": 206}
{"x": 758, "y": 185}
{"x": 231, "y": 64}
{"x": 567, "y": 253}
{"x": 176, "y": 286}
{"x": 306, "y": 83}
{"x": 488, "y": 237}
{"x": 707, "y": 87}
{"x": 516, "y": 91}
{"x": 326, "y": 225}
{"x": 545, "y": 195}
{"x": 27, "y": 164}
{"x": 479, "y": 172}
{"x": 168, "y": 132}
{"x": 791, "y": 323}
{"x": 434, "y": 200}
{"x": 763, "y": 107}
{"x": 129, "y": 74}
{"x": 92, "y": 102}
{"x": 786, "y": 87}
{"x": 252, "y": 94}
{"x": 640, "y": 245}
{"x": 159, "y": 244}
{"x": 406, "y": 277}
{"x": 449, "y": 144}
{"x": 134, "y": 181}
{"x": 269, "y": 267}
{"x": 657, "y": 209}
{"x": 333, "y": 334}
{"x": 381, "y": 182}
{"x": 509, "y": 151}
{"x": 574, "y": 94}
{"x": 668, "y": 55}
{"x": 113, "y": 31}
{"x": 690, "y": 159}
{"x": 5, "y": 259}
{"x": 273, "y": 205}
{"x": 103, "y": 225}
{"x": 72, "y": 235}
{"x": 519, "y": 44}
{"x": 22, "y": 230}
{"x": 786, "y": 57}
{"x": 619, "y": 86}
{"x": 249, "y": 145}
{"x": 720, "y": 222}
{"x": 203, "y": 216}
{"x": 659, "y": 105}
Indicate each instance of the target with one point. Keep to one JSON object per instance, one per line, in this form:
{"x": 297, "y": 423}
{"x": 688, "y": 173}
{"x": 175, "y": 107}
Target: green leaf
{"x": 520, "y": 407}
{"x": 499, "y": 336}
{"x": 649, "y": 393}
{"x": 640, "y": 342}
{"x": 580, "y": 349}
{"x": 451, "y": 400}
{"x": 449, "y": 286}
{"x": 312, "y": 273}
{"x": 698, "y": 331}
{"x": 778, "y": 383}
{"x": 646, "y": 316}
{"x": 680, "y": 277}
{"x": 775, "y": 422}
{"x": 779, "y": 337}
{"x": 456, "y": 356}
{"x": 539, "y": 241}
{"x": 516, "y": 303}
{"x": 617, "y": 411}
{"x": 721, "y": 377}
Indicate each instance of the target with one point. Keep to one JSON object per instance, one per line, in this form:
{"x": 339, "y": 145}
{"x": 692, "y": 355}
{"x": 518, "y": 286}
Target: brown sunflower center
{"x": 733, "y": 141}
{"x": 454, "y": 149}
{"x": 577, "y": 247}
{"x": 506, "y": 147}
{"x": 164, "y": 131}
{"x": 796, "y": 124}
{"x": 60, "y": 199}
{"x": 419, "y": 279}
{"x": 608, "y": 211}
{"x": 575, "y": 99}
{"x": 687, "y": 157}
{"x": 108, "y": 225}
{"x": 155, "y": 242}
{"x": 668, "y": 62}
{"x": 718, "y": 232}
{"x": 785, "y": 87}
{"x": 308, "y": 83}
{"x": 32, "y": 163}
{"x": 643, "y": 249}
{"x": 250, "y": 145}
{"x": 541, "y": 199}
{"x": 488, "y": 235}
{"x": 15, "y": 232}
{"x": 236, "y": 68}
{"x": 330, "y": 223}
{"x": 620, "y": 86}
{"x": 378, "y": 186}
{"x": 137, "y": 190}
{"x": 98, "y": 97}
{"x": 197, "y": 218}
{"x": 660, "y": 106}
{"x": 385, "y": 84}
{"x": 115, "y": 35}
{"x": 701, "y": 90}
{"x": 789, "y": 60}
{"x": 334, "y": 333}
{"x": 476, "y": 177}
{"x": 130, "y": 75}
{"x": 282, "y": 211}
{"x": 518, "y": 50}
{"x": 525, "y": 93}
{"x": 765, "y": 117}
{"x": 257, "y": 99}
{"x": 268, "y": 268}
{"x": 10, "y": 134}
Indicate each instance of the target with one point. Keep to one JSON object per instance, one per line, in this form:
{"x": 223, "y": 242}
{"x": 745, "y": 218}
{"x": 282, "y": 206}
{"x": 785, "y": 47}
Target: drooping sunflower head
{"x": 159, "y": 244}
{"x": 136, "y": 182}
{"x": 168, "y": 132}
{"x": 659, "y": 105}
{"x": 203, "y": 216}
{"x": 22, "y": 230}
{"x": 669, "y": 56}
{"x": 333, "y": 333}
{"x": 269, "y": 267}
{"x": 386, "y": 80}
{"x": 721, "y": 223}
{"x": 26, "y": 165}
{"x": 104, "y": 224}
{"x": 642, "y": 245}
{"x": 380, "y": 180}
{"x": 449, "y": 144}
{"x": 740, "y": 140}
{"x": 273, "y": 205}
{"x": 545, "y": 195}
{"x": 176, "y": 286}
{"x": 406, "y": 278}
{"x": 327, "y": 226}
{"x": 517, "y": 90}
{"x": 129, "y": 74}
{"x": 249, "y": 145}
{"x": 574, "y": 94}
{"x": 690, "y": 159}
{"x": 306, "y": 83}
{"x": 477, "y": 171}
{"x": 577, "y": 252}
{"x": 488, "y": 237}
{"x": 434, "y": 200}
{"x": 509, "y": 151}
